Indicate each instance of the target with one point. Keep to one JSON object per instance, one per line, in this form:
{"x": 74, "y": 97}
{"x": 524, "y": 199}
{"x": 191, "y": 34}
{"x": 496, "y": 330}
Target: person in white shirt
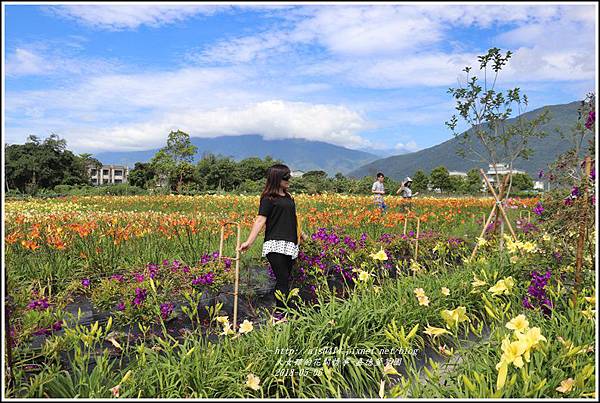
{"x": 378, "y": 191}
{"x": 405, "y": 191}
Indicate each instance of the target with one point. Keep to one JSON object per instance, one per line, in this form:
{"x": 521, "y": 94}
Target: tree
{"x": 141, "y": 174}
{"x": 474, "y": 181}
{"x": 440, "y": 178}
{"x": 486, "y": 111}
{"x": 420, "y": 181}
{"x": 456, "y": 183}
{"x": 522, "y": 182}
{"x": 44, "y": 164}
{"x": 181, "y": 150}
{"x": 162, "y": 164}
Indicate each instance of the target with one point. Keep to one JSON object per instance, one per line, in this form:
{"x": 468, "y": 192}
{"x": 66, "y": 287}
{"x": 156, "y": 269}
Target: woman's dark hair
{"x": 380, "y": 174}
{"x": 275, "y": 174}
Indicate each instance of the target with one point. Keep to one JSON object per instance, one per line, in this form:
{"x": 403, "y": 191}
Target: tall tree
{"x": 440, "y": 178}
{"x": 420, "y": 181}
{"x": 181, "y": 150}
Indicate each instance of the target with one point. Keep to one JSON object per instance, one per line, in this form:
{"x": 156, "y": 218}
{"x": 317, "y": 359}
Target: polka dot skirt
{"x": 284, "y": 247}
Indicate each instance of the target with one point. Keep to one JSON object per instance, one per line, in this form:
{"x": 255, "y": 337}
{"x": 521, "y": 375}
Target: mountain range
{"x": 545, "y": 150}
{"x": 298, "y": 154}
{"x": 306, "y": 155}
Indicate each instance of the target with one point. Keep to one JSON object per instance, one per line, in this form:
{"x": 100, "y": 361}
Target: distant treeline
{"x": 48, "y": 167}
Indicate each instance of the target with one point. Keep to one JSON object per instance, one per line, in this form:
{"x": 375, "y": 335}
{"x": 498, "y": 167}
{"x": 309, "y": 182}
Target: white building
{"x": 108, "y": 174}
{"x": 296, "y": 174}
{"x": 457, "y": 173}
{"x": 501, "y": 169}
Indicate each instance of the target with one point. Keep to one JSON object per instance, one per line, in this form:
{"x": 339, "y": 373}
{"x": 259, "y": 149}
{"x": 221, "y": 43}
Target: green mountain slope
{"x": 545, "y": 150}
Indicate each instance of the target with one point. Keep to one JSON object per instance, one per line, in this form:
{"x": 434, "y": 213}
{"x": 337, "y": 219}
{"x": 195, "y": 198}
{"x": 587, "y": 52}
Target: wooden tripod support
{"x": 497, "y": 205}
{"x": 237, "y": 266}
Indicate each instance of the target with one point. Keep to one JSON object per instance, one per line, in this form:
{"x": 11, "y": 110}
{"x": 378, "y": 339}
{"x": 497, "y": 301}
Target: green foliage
{"x": 440, "y": 178}
{"x": 420, "y": 181}
{"x": 36, "y": 165}
{"x": 522, "y": 182}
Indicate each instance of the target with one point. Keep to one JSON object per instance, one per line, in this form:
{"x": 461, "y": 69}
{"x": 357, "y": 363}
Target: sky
{"x": 121, "y": 76}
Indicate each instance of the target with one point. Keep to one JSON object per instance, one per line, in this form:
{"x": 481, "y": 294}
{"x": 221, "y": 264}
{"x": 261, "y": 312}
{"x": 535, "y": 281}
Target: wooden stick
{"x": 417, "y": 239}
{"x": 529, "y": 216}
{"x": 582, "y": 230}
{"x": 499, "y": 204}
{"x": 237, "y": 277}
{"x": 485, "y": 225}
{"x": 221, "y": 241}
{"x": 405, "y": 223}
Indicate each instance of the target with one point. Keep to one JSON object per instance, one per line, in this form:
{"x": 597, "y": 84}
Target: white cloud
{"x": 116, "y": 17}
{"x": 409, "y": 146}
{"x": 44, "y": 59}
{"x": 274, "y": 119}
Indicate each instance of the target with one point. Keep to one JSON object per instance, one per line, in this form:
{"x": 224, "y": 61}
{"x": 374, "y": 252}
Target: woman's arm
{"x": 259, "y": 223}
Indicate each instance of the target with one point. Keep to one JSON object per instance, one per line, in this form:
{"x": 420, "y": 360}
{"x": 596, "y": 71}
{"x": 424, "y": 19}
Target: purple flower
{"x": 204, "y": 279}
{"x": 557, "y": 256}
{"x": 186, "y": 269}
{"x": 57, "y": 325}
{"x": 139, "y": 277}
{"x": 117, "y": 277}
{"x": 39, "y": 304}
{"x": 568, "y": 201}
{"x": 575, "y": 191}
{"x": 85, "y": 282}
{"x": 526, "y": 303}
{"x": 227, "y": 262}
{"x": 166, "y": 310}
{"x": 165, "y": 262}
{"x": 538, "y": 209}
{"x": 140, "y": 296}
{"x": 541, "y": 174}
{"x": 590, "y": 120}
{"x": 121, "y": 306}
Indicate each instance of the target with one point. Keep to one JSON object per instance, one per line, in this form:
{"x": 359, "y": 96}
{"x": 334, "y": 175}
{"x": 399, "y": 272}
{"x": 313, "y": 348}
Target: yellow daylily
{"x": 227, "y": 329}
{"x": 529, "y": 246}
{"x": 518, "y": 324}
{"x": 455, "y": 316}
{"x": 415, "y": 266}
{"x": 445, "y": 291}
{"x": 566, "y": 385}
{"x": 481, "y": 241}
{"x": 435, "y": 331}
{"x": 513, "y": 352}
{"x": 246, "y": 326}
{"x": 423, "y": 300}
{"x": 390, "y": 370}
{"x": 363, "y": 275}
{"x": 223, "y": 319}
{"x": 379, "y": 255}
{"x": 253, "y": 382}
{"x": 503, "y": 286}
{"x": 294, "y": 292}
{"x": 532, "y": 337}
{"x": 477, "y": 282}
{"x": 376, "y": 289}
{"x": 419, "y": 292}
{"x": 591, "y": 300}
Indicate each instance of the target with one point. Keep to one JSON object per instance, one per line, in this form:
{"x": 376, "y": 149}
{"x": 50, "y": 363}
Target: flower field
{"x": 128, "y": 297}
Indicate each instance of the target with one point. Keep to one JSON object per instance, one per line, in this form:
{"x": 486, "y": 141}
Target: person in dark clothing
{"x": 277, "y": 211}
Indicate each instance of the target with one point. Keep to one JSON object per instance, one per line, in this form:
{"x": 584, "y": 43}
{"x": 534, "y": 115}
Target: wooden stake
{"x": 417, "y": 239}
{"x": 237, "y": 266}
{"x": 485, "y": 225}
{"x": 405, "y": 223}
{"x": 499, "y": 204}
{"x": 582, "y": 230}
{"x": 529, "y": 216}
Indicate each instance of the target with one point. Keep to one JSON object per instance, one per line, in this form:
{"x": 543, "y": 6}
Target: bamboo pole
{"x": 485, "y": 225}
{"x": 405, "y": 224}
{"x": 237, "y": 278}
{"x": 582, "y": 230}
{"x": 499, "y": 204}
{"x": 417, "y": 239}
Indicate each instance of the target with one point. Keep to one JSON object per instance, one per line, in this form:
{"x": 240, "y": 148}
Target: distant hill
{"x": 545, "y": 150}
{"x": 298, "y": 154}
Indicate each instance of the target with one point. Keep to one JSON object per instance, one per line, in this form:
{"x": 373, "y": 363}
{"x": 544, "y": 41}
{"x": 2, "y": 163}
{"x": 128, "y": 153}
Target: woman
{"x": 278, "y": 211}
{"x": 405, "y": 191}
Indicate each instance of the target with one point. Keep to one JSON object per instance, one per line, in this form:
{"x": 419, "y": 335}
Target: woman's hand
{"x": 244, "y": 246}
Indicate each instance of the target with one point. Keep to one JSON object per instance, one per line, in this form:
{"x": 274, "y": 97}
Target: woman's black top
{"x": 281, "y": 218}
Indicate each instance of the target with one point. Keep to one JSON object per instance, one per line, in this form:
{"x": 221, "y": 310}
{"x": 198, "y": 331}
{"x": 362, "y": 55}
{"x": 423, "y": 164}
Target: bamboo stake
{"x": 237, "y": 266}
{"x": 237, "y": 278}
{"x": 529, "y": 216}
{"x": 485, "y": 225}
{"x": 405, "y": 223}
{"x": 582, "y": 230}
{"x": 499, "y": 204}
{"x": 417, "y": 239}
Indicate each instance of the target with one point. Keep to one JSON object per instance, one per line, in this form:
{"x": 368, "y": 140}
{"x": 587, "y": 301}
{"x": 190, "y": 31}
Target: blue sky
{"x": 364, "y": 76}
